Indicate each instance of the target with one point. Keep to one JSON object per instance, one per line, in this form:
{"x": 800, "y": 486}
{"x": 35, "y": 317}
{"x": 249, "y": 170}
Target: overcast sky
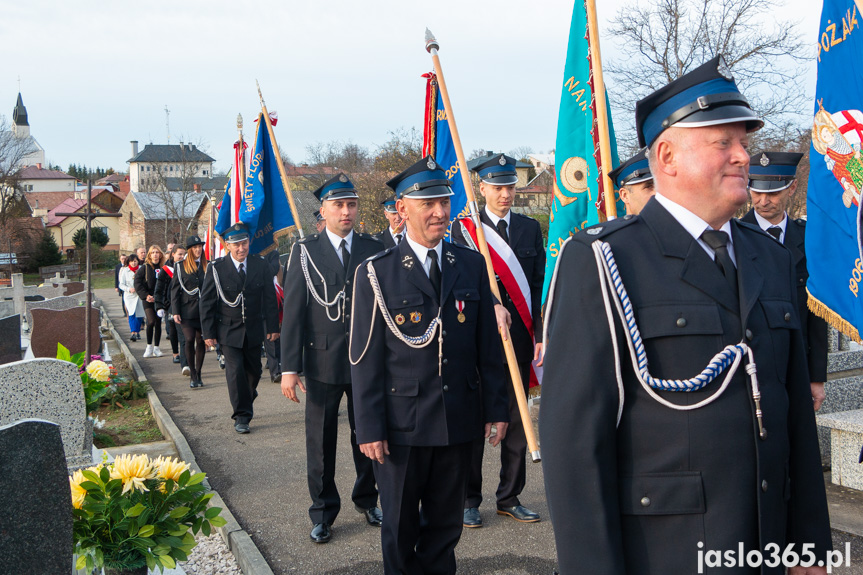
{"x": 97, "y": 74}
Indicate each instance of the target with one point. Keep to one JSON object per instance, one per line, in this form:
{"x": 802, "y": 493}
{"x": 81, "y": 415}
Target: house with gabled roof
{"x": 150, "y": 168}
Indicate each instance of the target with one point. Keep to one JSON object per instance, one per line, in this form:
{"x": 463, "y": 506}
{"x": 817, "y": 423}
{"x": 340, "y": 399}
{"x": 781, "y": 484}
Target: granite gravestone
{"x": 36, "y": 514}
{"x": 56, "y": 303}
{"x": 10, "y": 339}
{"x": 51, "y": 327}
{"x": 72, "y": 288}
{"x": 48, "y": 389}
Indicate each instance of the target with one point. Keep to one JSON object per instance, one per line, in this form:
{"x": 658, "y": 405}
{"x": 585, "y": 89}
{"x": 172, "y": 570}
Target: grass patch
{"x": 100, "y": 279}
{"x": 126, "y": 425}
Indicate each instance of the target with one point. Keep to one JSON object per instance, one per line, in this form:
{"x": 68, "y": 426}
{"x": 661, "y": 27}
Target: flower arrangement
{"x": 139, "y": 511}
{"x": 101, "y": 382}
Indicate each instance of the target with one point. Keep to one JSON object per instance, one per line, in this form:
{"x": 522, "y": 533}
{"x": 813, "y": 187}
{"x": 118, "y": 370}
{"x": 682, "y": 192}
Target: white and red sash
{"x": 280, "y": 297}
{"x": 508, "y": 270}
{"x": 169, "y": 271}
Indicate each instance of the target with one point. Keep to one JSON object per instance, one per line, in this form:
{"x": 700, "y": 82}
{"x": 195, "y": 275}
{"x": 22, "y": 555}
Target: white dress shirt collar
{"x": 764, "y": 224}
{"x": 495, "y": 219}
{"x": 695, "y": 226}
{"x": 395, "y": 234}
{"x": 422, "y": 253}
{"x": 336, "y": 240}
{"x": 245, "y": 263}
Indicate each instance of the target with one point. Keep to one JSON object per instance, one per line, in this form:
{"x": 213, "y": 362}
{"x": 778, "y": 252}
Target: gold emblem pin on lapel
{"x": 416, "y": 317}
{"x": 400, "y": 319}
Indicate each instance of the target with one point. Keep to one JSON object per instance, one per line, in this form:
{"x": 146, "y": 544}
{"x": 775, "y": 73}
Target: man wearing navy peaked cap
{"x": 395, "y": 231}
{"x": 417, "y": 357}
{"x": 772, "y": 183}
{"x": 518, "y": 241}
{"x": 315, "y": 329}
{"x": 238, "y": 310}
{"x": 652, "y": 464}
{"x": 634, "y": 182}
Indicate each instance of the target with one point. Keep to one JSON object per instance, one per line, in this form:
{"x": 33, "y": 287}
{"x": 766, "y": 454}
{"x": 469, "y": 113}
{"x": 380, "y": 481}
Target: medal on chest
{"x": 459, "y": 306}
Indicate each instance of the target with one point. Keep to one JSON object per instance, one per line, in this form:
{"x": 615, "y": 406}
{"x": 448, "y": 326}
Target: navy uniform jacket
{"x": 311, "y": 343}
{"x": 814, "y": 328}
{"x": 398, "y": 394}
{"x": 525, "y": 239}
{"x": 637, "y": 498}
{"x": 161, "y": 291}
{"x": 224, "y": 323}
{"x": 386, "y": 238}
{"x": 183, "y": 304}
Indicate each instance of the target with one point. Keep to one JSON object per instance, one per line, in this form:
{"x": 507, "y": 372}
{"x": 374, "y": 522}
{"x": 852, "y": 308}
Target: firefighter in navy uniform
{"x": 315, "y": 325}
{"x": 772, "y": 183}
{"x": 238, "y": 310}
{"x": 644, "y": 479}
{"x": 634, "y": 182}
{"x": 423, "y": 338}
{"x": 395, "y": 230}
{"x": 523, "y": 235}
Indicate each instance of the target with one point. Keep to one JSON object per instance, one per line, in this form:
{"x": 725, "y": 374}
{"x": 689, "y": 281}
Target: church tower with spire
{"x": 20, "y": 125}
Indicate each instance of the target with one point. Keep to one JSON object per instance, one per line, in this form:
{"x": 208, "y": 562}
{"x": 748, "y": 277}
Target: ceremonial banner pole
{"x": 211, "y": 230}
{"x": 432, "y": 47}
{"x": 601, "y": 110}
{"x": 282, "y": 173}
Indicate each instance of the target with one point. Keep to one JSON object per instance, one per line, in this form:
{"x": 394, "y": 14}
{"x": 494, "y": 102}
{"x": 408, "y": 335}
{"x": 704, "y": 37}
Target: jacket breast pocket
{"x": 678, "y": 493}
{"x": 316, "y": 341}
{"x": 523, "y": 253}
{"x": 781, "y": 317}
{"x": 401, "y": 401}
{"x": 470, "y": 297}
{"x": 329, "y": 277}
{"x": 684, "y": 319}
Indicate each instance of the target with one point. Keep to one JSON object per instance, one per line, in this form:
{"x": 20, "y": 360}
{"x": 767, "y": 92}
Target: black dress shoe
{"x": 373, "y": 515}
{"x": 222, "y": 361}
{"x": 472, "y": 518}
{"x": 321, "y": 533}
{"x": 241, "y": 427}
{"x": 176, "y": 359}
{"x": 519, "y": 513}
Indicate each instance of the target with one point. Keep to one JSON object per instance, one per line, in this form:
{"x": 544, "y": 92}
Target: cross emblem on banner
{"x": 852, "y": 124}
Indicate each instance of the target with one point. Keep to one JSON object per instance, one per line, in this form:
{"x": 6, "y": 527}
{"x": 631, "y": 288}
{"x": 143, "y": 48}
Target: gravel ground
{"x": 211, "y": 556}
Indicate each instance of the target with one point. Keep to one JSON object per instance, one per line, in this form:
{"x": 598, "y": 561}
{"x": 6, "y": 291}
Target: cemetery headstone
{"x": 48, "y": 389}
{"x": 36, "y": 515}
{"x": 50, "y": 327}
{"x": 10, "y": 339}
{"x": 72, "y": 288}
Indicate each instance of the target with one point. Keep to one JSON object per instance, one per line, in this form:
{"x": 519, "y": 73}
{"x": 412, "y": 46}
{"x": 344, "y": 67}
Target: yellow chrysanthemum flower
{"x": 78, "y": 492}
{"x": 170, "y": 468}
{"x": 133, "y": 470}
{"x": 99, "y": 371}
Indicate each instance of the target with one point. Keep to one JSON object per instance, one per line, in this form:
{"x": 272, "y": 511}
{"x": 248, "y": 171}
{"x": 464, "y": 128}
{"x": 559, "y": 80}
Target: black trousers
{"x": 181, "y": 341}
{"x": 513, "y": 449}
{"x": 422, "y": 494}
{"x": 274, "y": 357}
{"x": 322, "y": 421}
{"x": 243, "y": 372}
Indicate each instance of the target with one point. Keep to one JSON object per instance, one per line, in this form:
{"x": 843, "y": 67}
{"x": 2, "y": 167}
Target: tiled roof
{"x": 37, "y": 173}
{"x": 155, "y": 205}
{"x": 171, "y": 153}
{"x": 207, "y": 184}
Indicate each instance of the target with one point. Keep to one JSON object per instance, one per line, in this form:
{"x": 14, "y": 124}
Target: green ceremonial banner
{"x": 573, "y": 206}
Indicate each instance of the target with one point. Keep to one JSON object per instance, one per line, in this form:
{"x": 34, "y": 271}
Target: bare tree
{"x": 663, "y": 40}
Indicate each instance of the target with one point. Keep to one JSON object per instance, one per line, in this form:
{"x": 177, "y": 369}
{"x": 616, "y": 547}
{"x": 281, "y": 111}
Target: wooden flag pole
{"x": 601, "y": 110}
{"x": 432, "y": 47}
{"x": 281, "y": 164}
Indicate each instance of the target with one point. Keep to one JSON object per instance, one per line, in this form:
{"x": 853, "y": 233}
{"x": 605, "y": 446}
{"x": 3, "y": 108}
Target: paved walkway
{"x": 262, "y": 478}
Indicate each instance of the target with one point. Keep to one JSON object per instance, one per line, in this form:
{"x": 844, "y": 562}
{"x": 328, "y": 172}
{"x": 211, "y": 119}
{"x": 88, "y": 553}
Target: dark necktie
{"x": 775, "y": 231}
{"x": 501, "y": 229}
{"x": 718, "y": 241}
{"x": 434, "y": 273}
{"x": 243, "y": 273}
{"x": 346, "y": 255}
{"x": 398, "y": 239}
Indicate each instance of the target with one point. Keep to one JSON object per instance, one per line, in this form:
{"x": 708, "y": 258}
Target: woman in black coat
{"x": 185, "y": 291}
{"x": 145, "y": 287}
